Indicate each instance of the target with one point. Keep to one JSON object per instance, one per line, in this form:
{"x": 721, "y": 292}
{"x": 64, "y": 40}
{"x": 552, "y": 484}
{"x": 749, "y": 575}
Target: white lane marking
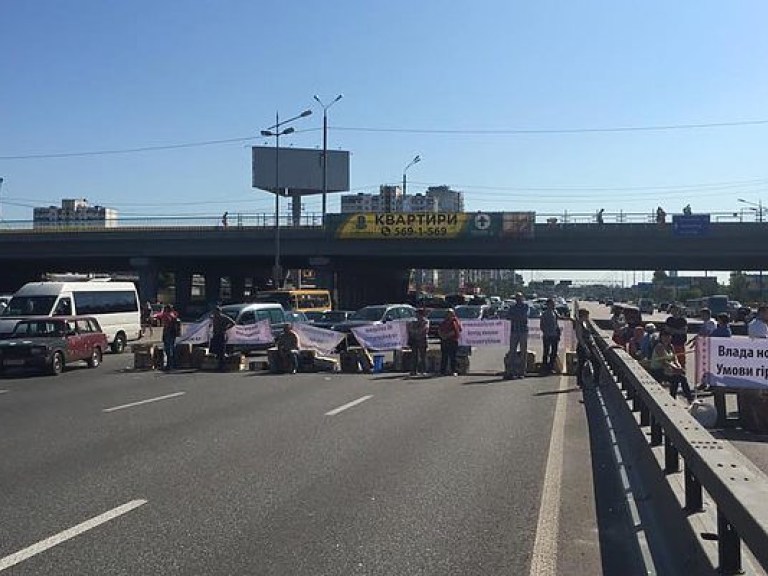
{"x": 544, "y": 558}
{"x": 147, "y": 401}
{"x": 4, "y": 391}
{"x": 348, "y": 405}
{"x": 68, "y": 534}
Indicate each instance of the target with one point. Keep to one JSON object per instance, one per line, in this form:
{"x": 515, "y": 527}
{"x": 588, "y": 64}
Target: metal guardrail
{"x": 315, "y": 220}
{"x": 738, "y": 487}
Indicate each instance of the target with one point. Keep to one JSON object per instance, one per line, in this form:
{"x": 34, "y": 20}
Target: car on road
{"x": 646, "y": 305}
{"x": 378, "y": 314}
{"x": 4, "y": 299}
{"x": 294, "y": 317}
{"x": 470, "y": 312}
{"x": 330, "y": 318}
{"x": 245, "y": 314}
{"x": 315, "y": 315}
{"x": 48, "y": 344}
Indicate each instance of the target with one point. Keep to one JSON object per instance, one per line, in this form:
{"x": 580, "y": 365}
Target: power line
{"x": 517, "y": 131}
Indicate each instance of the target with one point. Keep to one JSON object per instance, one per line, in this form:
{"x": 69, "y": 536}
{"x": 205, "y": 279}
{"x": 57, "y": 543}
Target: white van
{"x": 114, "y": 304}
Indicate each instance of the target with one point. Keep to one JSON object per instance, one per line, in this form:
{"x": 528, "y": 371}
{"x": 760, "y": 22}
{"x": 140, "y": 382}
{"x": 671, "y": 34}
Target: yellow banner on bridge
{"x": 403, "y": 225}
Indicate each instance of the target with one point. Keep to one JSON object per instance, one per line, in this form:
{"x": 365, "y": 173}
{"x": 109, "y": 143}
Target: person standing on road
{"x": 169, "y": 320}
{"x": 517, "y": 357}
{"x": 758, "y": 328}
{"x": 677, "y": 326}
{"x": 708, "y": 325}
{"x": 550, "y": 336}
{"x": 220, "y": 323}
{"x": 449, "y": 331}
{"x": 146, "y": 319}
{"x": 418, "y": 330}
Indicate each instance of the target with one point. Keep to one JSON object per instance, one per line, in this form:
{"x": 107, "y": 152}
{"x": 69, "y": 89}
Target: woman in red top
{"x": 449, "y": 331}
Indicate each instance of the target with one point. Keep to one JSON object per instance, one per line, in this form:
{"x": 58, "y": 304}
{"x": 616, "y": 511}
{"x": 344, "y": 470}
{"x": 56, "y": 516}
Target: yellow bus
{"x": 299, "y": 300}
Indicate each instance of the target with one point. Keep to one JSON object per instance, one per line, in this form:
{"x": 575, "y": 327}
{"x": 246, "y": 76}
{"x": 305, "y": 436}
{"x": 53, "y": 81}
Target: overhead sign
{"x": 690, "y": 225}
{"x": 435, "y": 225}
{"x": 299, "y": 169}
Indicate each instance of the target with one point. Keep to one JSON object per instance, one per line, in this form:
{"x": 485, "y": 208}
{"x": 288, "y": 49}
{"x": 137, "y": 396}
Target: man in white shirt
{"x": 758, "y": 328}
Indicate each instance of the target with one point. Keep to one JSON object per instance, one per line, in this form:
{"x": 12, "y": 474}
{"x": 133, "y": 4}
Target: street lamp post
{"x": 416, "y": 160}
{"x": 325, "y": 147}
{"x": 277, "y": 271}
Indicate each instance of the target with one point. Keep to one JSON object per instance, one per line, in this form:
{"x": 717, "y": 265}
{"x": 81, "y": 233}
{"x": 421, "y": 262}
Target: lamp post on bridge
{"x": 325, "y": 147}
{"x": 276, "y": 132}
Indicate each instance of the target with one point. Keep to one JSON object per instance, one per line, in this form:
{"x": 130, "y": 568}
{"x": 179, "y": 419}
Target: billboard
{"x": 690, "y": 224}
{"x": 300, "y": 169}
{"x": 434, "y": 225}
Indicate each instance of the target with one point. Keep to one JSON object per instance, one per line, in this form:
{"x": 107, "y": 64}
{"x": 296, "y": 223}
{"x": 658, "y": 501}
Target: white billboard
{"x": 299, "y": 170}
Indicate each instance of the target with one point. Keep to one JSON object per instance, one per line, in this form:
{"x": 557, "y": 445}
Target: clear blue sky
{"x": 107, "y": 74}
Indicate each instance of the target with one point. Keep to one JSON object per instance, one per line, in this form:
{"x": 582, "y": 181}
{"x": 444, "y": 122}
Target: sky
{"x": 514, "y": 103}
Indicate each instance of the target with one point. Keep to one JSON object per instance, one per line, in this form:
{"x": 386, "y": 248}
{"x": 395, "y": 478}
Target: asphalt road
{"x": 248, "y": 473}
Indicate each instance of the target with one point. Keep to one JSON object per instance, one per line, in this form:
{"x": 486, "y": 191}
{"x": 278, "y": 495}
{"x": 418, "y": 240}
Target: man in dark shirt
{"x": 220, "y": 323}
{"x": 677, "y": 325}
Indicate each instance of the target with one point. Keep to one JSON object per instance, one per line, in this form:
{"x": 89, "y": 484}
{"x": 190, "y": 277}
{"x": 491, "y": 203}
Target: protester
{"x": 418, "y": 330}
{"x": 758, "y": 327}
{"x": 171, "y": 324}
{"x": 649, "y": 340}
{"x": 708, "y": 325}
{"x": 723, "y": 330}
{"x": 635, "y": 344}
{"x": 288, "y": 349}
{"x": 220, "y": 323}
{"x": 599, "y": 216}
{"x": 661, "y": 216}
{"x": 677, "y": 326}
{"x": 618, "y": 325}
{"x": 225, "y": 220}
{"x": 665, "y": 366}
{"x": 449, "y": 331}
{"x": 517, "y": 358}
{"x": 550, "y": 335}
{"x": 146, "y": 319}
{"x": 585, "y": 349}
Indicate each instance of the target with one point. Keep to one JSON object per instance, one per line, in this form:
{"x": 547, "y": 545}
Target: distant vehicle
{"x": 717, "y": 304}
{"x": 299, "y": 300}
{"x": 453, "y": 300}
{"x": 469, "y": 312}
{"x": 245, "y": 314}
{"x": 296, "y": 317}
{"x": 609, "y": 302}
{"x": 4, "y": 299}
{"x": 563, "y": 310}
{"x": 115, "y": 305}
{"x": 331, "y": 317}
{"x": 693, "y": 307}
{"x": 376, "y": 315}
{"x": 534, "y": 310}
{"x": 50, "y": 343}
{"x": 663, "y": 306}
{"x": 645, "y": 305}
{"x": 314, "y": 315}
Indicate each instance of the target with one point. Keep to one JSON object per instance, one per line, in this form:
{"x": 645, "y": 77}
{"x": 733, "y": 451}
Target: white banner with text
{"x": 258, "y": 333}
{"x": 198, "y": 333}
{"x": 739, "y": 362}
{"x": 389, "y": 336}
{"x": 484, "y": 333}
{"x": 316, "y": 338}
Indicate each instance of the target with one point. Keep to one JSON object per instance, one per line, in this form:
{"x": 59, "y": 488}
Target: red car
{"x": 50, "y": 343}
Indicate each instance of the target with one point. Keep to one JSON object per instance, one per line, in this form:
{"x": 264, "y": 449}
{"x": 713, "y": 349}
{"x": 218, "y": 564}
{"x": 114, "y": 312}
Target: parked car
{"x": 646, "y": 305}
{"x": 373, "y": 315}
{"x": 4, "y": 299}
{"x": 470, "y": 312}
{"x": 244, "y": 314}
{"x": 332, "y": 317}
{"x": 315, "y": 315}
{"x": 50, "y": 343}
{"x": 294, "y": 317}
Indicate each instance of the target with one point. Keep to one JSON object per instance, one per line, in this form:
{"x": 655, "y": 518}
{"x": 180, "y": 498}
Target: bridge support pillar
{"x": 237, "y": 287}
{"x": 183, "y": 296}
{"x": 358, "y": 286}
{"x": 212, "y": 287}
{"x": 148, "y": 278}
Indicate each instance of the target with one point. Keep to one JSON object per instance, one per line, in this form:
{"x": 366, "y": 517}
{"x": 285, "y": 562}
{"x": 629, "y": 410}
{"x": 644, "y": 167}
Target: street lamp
{"x": 325, "y": 147}
{"x": 758, "y": 207}
{"x": 277, "y": 271}
{"x": 416, "y": 160}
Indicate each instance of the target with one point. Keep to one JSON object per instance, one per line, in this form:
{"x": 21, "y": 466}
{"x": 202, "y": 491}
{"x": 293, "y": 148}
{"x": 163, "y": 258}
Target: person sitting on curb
{"x": 665, "y": 366}
{"x": 287, "y": 351}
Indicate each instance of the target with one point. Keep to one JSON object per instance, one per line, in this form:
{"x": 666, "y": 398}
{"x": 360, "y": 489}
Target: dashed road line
{"x": 147, "y": 401}
{"x": 348, "y": 405}
{"x": 68, "y": 534}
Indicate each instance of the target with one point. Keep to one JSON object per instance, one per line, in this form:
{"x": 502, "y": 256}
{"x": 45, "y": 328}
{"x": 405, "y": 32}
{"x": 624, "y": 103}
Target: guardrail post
{"x": 656, "y": 438}
{"x": 645, "y": 415}
{"x": 671, "y": 457}
{"x": 693, "y": 498}
{"x": 637, "y": 402}
{"x": 729, "y": 546}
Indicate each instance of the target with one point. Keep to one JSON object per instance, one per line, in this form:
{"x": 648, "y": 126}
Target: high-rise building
{"x": 446, "y": 200}
{"x": 389, "y": 199}
{"x": 75, "y": 213}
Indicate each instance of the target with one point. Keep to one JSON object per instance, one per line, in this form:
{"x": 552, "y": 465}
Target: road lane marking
{"x": 544, "y": 558}
{"x": 147, "y": 401}
{"x": 4, "y": 391}
{"x": 348, "y": 405}
{"x": 68, "y": 534}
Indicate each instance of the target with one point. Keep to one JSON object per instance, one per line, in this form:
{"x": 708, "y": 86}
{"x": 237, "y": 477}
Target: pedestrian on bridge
{"x": 225, "y": 220}
{"x": 516, "y": 359}
{"x": 661, "y": 216}
{"x": 599, "y": 216}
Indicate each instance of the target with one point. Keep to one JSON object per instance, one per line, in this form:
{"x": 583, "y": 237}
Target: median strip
{"x": 68, "y": 534}
{"x": 147, "y": 401}
{"x": 348, "y": 405}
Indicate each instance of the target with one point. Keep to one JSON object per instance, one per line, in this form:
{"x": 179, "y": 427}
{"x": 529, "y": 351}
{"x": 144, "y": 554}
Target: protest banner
{"x": 198, "y": 333}
{"x": 316, "y": 338}
{"x": 483, "y": 333}
{"x": 738, "y": 362}
{"x": 258, "y": 333}
{"x": 389, "y": 336}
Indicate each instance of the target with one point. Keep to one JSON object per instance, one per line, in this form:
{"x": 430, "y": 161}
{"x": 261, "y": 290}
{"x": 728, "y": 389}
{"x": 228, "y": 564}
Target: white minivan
{"x": 114, "y": 304}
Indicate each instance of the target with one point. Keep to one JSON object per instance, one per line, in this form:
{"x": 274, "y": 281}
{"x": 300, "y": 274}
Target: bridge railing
{"x": 315, "y": 220}
{"x": 738, "y": 488}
